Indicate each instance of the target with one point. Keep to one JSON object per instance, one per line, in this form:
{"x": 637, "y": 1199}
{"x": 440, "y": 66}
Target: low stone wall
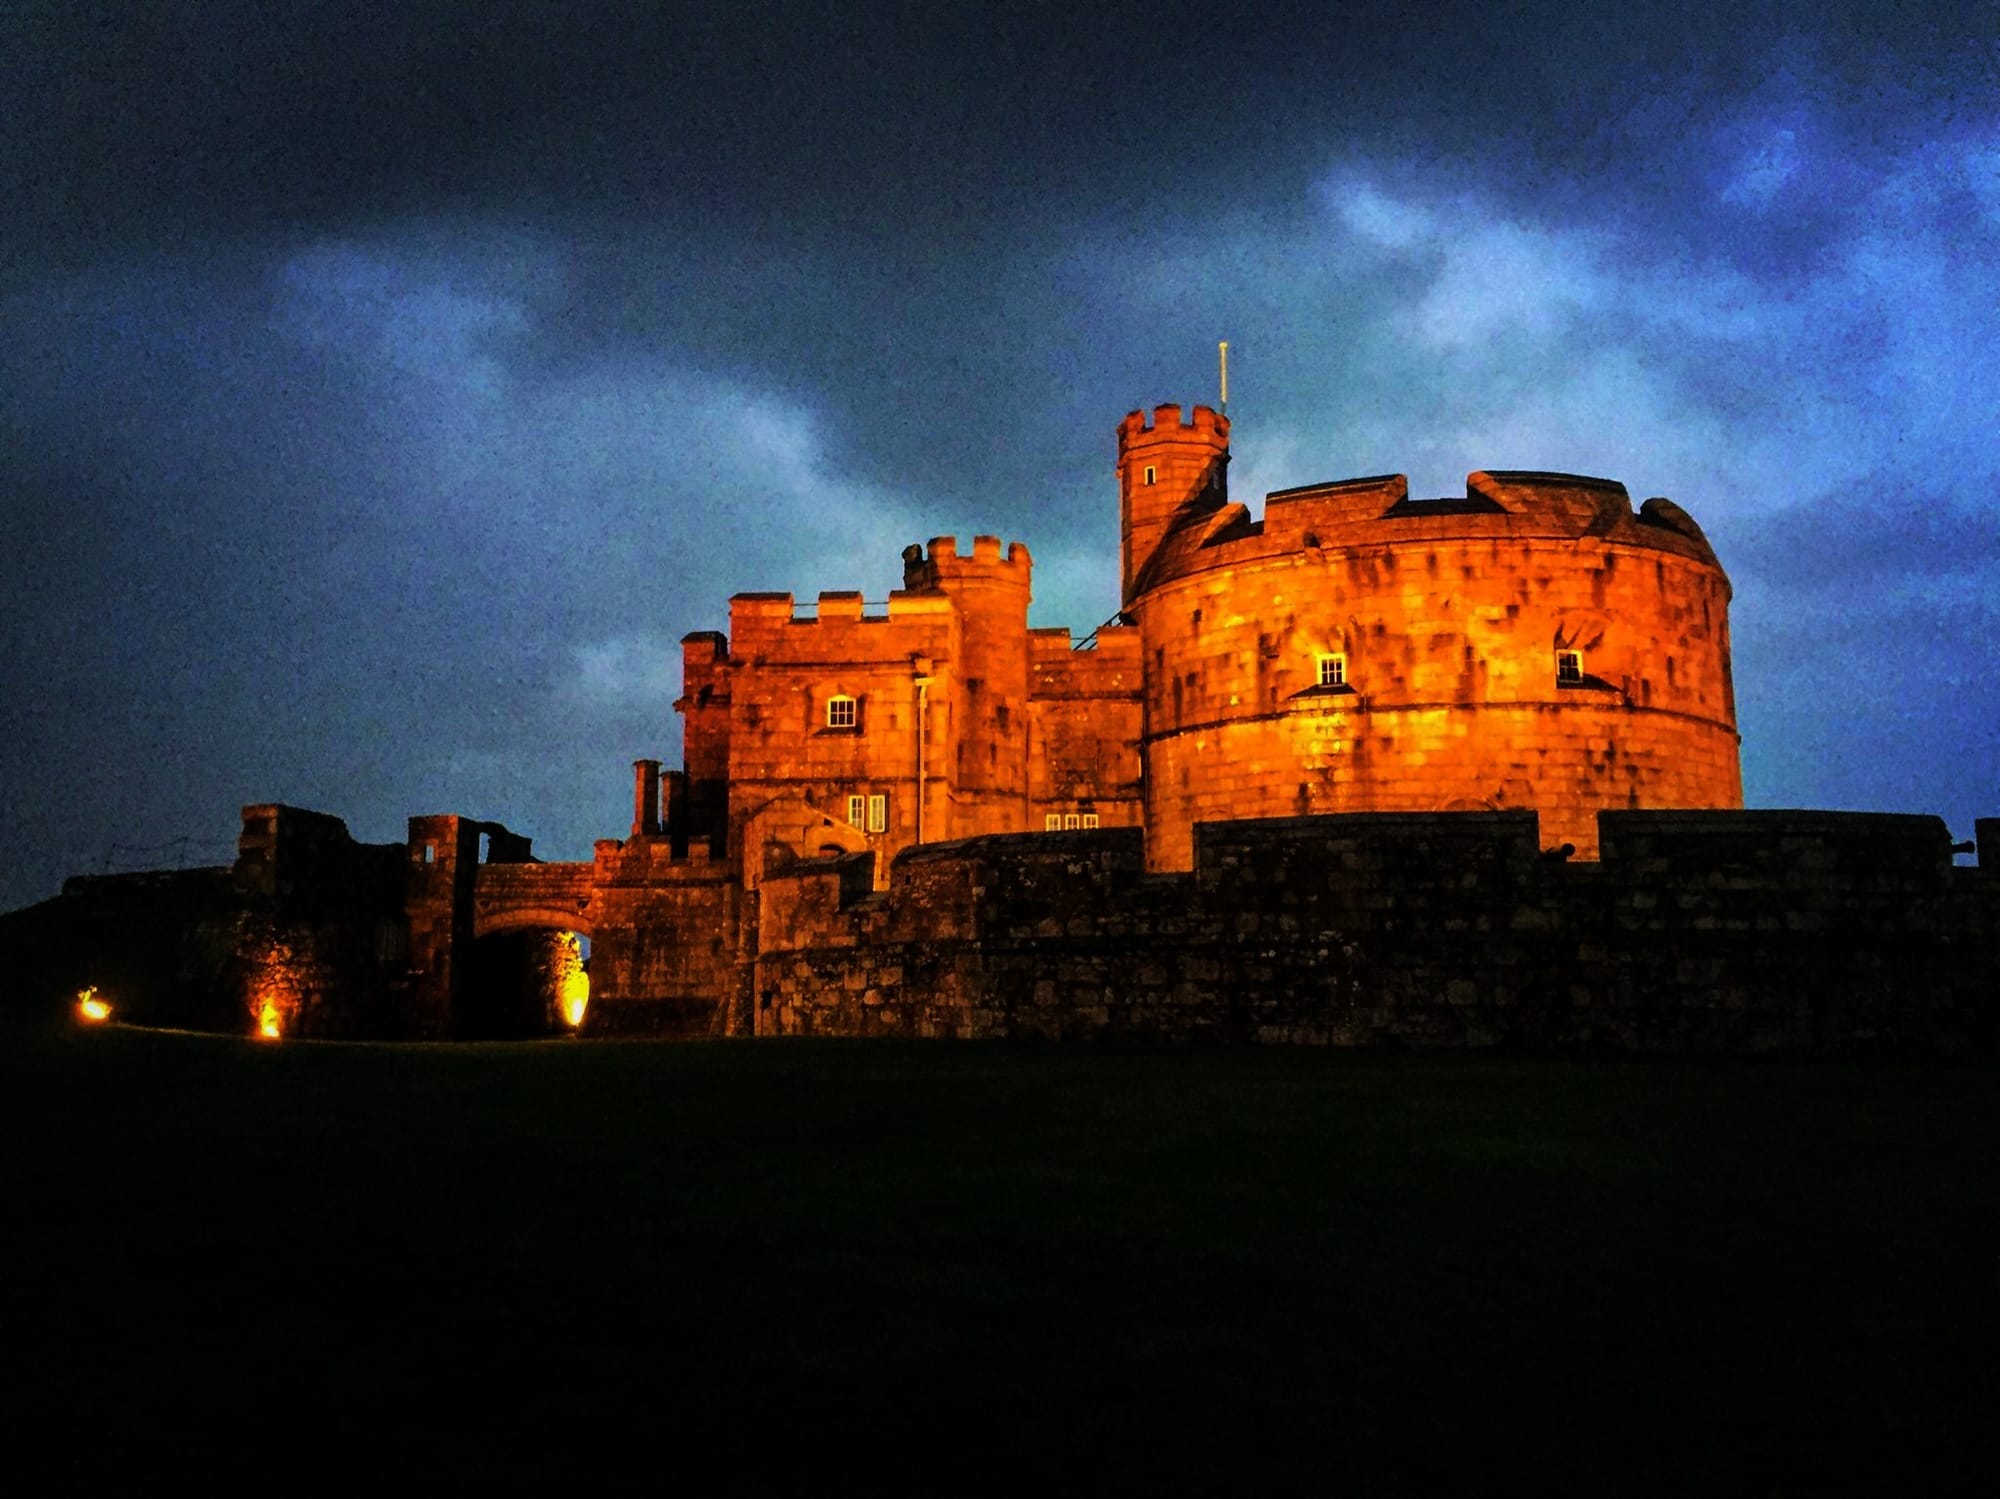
{"x": 1696, "y": 931}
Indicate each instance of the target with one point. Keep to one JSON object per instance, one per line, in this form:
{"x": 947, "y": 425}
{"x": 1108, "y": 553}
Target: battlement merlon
{"x": 752, "y": 614}
{"x": 986, "y": 552}
{"x": 943, "y": 564}
{"x": 1167, "y": 424}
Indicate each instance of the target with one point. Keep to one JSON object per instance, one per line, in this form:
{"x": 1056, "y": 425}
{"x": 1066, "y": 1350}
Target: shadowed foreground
{"x": 950, "y": 1267}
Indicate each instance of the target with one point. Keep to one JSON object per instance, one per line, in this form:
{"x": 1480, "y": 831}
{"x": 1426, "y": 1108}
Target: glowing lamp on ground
{"x": 270, "y": 1023}
{"x": 575, "y": 997}
{"x": 89, "y": 1007}
{"x": 572, "y": 979}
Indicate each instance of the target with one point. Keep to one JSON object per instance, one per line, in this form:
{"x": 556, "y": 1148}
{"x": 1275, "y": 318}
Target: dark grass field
{"x": 954, "y": 1267}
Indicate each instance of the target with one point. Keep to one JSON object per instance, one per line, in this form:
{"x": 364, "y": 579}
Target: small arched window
{"x": 842, "y": 712}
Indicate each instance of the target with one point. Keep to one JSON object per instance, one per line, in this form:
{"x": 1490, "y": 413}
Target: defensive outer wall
{"x": 1695, "y": 931}
{"x": 1705, "y": 931}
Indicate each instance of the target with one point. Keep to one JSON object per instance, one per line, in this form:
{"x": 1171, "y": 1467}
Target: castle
{"x": 1534, "y": 644}
{"x": 1445, "y": 772}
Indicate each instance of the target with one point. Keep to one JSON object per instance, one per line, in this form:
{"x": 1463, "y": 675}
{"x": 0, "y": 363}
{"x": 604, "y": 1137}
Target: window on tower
{"x": 1569, "y": 668}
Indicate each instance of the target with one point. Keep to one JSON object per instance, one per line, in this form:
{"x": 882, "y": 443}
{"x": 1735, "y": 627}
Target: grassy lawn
{"x": 953, "y": 1267}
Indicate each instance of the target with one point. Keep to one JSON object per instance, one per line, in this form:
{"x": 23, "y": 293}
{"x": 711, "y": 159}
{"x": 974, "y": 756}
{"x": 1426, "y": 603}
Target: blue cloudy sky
{"x": 385, "y": 390}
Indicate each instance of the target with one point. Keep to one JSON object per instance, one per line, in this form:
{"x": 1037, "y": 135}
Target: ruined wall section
{"x": 442, "y": 860}
{"x": 156, "y": 946}
{"x": 1084, "y": 716}
{"x": 1696, "y": 931}
{"x": 697, "y": 799}
{"x": 1446, "y": 619}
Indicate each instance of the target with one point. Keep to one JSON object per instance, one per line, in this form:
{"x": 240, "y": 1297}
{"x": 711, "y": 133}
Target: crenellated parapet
{"x": 1377, "y": 512}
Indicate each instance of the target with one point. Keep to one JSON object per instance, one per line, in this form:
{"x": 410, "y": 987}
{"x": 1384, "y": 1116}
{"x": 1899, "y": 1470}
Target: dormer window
{"x": 1333, "y": 671}
{"x": 1151, "y": 473}
{"x": 842, "y": 712}
{"x": 1569, "y": 668}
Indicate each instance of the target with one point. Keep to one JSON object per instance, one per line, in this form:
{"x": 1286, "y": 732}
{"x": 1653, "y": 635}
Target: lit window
{"x": 1569, "y": 668}
{"x": 840, "y": 713}
{"x": 1090, "y": 819}
{"x": 878, "y": 814}
{"x": 857, "y": 810}
{"x": 1151, "y": 474}
{"x": 1071, "y": 820}
{"x": 1333, "y": 671}
{"x": 1052, "y": 823}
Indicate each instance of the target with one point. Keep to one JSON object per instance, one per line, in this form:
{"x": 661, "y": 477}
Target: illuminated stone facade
{"x": 1534, "y": 644}
{"x": 935, "y": 715}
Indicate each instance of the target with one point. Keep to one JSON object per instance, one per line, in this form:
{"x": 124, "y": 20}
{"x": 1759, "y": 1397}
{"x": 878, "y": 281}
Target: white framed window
{"x": 857, "y": 810}
{"x": 1090, "y": 819}
{"x": 1152, "y": 474}
{"x": 1333, "y": 670}
{"x": 842, "y": 712}
{"x": 1052, "y": 822}
{"x": 878, "y": 814}
{"x": 1569, "y": 668}
{"x": 1072, "y": 820}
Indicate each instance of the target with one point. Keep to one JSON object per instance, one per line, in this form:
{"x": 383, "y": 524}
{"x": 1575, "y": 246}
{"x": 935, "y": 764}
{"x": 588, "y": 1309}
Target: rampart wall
{"x": 1695, "y": 931}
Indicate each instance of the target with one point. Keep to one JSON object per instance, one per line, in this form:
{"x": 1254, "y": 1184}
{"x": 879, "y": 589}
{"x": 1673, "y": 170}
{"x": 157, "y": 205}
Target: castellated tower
{"x": 985, "y": 735}
{"x": 1536, "y": 643}
{"x": 1168, "y": 472}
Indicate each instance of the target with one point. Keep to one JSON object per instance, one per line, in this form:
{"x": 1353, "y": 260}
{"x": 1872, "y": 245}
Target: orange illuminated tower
{"x": 1168, "y": 469}
{"x": 985, "y": 752}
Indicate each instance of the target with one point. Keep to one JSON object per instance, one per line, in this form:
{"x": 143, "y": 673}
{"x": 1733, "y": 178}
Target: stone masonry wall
{"x": 1697, "y": 931}
{"x": 1446, "y": 617}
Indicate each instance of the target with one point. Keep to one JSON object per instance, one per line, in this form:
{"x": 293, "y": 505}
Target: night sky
{"x": 385, "y": 390}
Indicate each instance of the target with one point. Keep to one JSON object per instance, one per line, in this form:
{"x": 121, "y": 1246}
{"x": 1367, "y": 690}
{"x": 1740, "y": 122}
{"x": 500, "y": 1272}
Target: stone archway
{"x": 526, "y": 977}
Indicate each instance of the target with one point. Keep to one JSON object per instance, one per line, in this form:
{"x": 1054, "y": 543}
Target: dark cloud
{"x": 386, "y": 389}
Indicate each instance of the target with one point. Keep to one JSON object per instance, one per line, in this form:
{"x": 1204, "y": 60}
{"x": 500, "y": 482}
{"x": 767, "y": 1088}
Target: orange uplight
{"x": 572, "y": 980}
{"x": 270, "y": 1024}
{"x": 575, "y": 997}
{"x": 90, "y": 1007}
